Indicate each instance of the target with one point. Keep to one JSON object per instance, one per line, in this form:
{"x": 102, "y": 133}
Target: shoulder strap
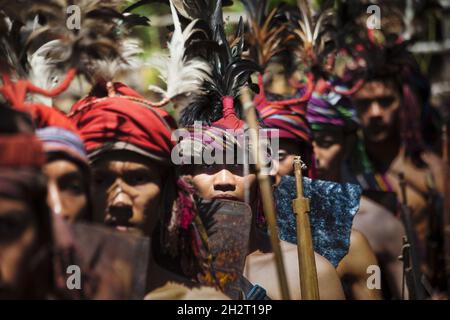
{"x": 252, "y": 292}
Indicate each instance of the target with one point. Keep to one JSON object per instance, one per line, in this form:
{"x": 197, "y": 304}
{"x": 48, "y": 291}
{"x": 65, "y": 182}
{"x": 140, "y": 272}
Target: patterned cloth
{"x": 219, "y": 142}
{"x": 290, "y": 120}
{"x": 333, "y": 207}
{"x": 59, "y": 140}
{"x": 331, "y": 108}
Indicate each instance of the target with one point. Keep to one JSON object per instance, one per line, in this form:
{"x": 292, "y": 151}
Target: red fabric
{"x": 229, "y": 119}
{"x": 44, "y": 116}
{"x": 21, "y": 150}
{"x": 124, "y": 117}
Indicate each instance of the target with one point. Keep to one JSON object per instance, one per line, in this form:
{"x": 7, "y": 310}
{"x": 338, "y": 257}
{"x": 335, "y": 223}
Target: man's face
{"x": 17, "y": 243}
{"x": 222, "y": 182}
{"x": 126, "y": 192}
{"x": 377, "y": 104}
{"x": 328, "y": 148}
{"x": 67, "y": 195}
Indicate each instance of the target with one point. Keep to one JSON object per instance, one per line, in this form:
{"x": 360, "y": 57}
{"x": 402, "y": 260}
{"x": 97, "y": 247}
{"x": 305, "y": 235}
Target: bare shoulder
{"x": 330, "y": 287}
{"x": 358, "y": 242}
{"x": 323, "y": 265}
{"x": 360, "y": 256}
{"x": 261, "y": 269}
{"x": 378, "y": 225}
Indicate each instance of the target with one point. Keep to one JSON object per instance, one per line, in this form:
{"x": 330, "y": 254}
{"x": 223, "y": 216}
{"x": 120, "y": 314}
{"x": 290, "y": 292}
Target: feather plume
{"x": 266, "y": 34}
{"x": 200, "y": 9}
{"x": 312, "y": 36}
{"x": 230, "y": 72}
{"x": 183, "y": 76}
{"x": 98, "y": 47}
{"x": 42, "y": 71}
{"x": 12, "y": 60}
{"x": 92, "y": 39}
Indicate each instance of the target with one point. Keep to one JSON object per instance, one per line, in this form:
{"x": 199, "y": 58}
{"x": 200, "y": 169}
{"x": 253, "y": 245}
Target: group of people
{"x": 98, "y": 188}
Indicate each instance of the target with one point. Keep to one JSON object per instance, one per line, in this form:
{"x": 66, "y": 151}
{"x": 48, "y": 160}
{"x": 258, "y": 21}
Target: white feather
{"x": 183, "y": 77}
{"x": 106, "y": 69}
{"x": 306, "y": 13}
{"x": 43, "y": 72}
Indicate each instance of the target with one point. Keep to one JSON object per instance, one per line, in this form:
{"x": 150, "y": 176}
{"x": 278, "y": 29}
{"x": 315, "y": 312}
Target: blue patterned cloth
{"x": 333, "y": 206}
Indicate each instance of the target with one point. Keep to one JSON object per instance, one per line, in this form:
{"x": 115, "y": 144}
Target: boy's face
{"x": 222, "y": 181}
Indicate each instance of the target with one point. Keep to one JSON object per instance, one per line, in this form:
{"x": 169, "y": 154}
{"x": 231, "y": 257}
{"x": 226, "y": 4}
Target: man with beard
{"x": 295, "y": 138}
{"x": 389, "y": 105}
{"x": 334, "y": 125}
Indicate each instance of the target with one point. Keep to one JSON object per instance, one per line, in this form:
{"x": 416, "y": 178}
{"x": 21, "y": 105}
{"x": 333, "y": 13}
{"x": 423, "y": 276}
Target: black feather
{"x": 143, "y": 3}
{"x": 103, "y": 31}
{"x": 229, "y": 70}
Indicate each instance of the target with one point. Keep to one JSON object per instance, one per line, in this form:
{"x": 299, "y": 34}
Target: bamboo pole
{"x": 266, "y": 191}
{"x": 309, "y": 284}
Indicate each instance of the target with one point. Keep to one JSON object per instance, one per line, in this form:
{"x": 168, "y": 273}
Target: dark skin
{"x": 378, "y": 103}
{"x": 221, "y": 181}
{"x": 127, "y": 191}
{"x": 378, "y": 106}
{"x": 383, "y": 231}
{"x": 18, "y": 236}
{"x": 329, "y": 149}
{"x": 25, "y": 265}
{"x": 127, "y": 195}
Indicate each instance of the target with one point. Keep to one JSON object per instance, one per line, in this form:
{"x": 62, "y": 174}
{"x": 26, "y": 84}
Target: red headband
{"x": 229, "y": 119}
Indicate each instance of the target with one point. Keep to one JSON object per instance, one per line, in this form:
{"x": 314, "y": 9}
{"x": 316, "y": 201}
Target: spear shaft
{"x": 266, "y": 191}
{"x": 309, "y": 284}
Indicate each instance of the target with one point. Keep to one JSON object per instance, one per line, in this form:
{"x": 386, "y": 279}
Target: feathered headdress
{"x": 217, "y": 107}
{"x": 183, "y": 73}
{"x": 312, "y": 35}
{"x": 97, "y": 43}
{"x": 91, "y": 42}
{"x": 206, "y": 10}
{"x": 308, "y": 39}
{"x": 266, "y": 31}
{"x": 382, "y": 55}
{"x": 229, "y": 73}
